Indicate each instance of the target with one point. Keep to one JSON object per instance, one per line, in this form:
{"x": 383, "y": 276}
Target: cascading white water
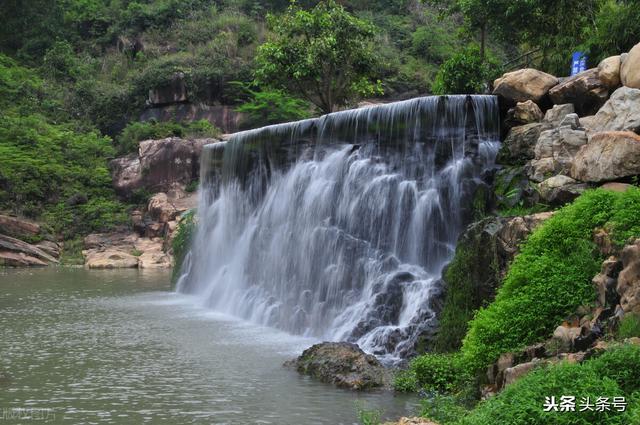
{"x": 339, "y": 227}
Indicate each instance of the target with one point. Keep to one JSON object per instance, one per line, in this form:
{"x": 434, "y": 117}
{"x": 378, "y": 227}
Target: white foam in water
{"x": 338, "y": 228}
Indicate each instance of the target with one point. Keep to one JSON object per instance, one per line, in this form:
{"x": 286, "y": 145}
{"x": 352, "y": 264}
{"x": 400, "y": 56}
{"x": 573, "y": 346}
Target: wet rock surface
{"x": 343, "y": 364}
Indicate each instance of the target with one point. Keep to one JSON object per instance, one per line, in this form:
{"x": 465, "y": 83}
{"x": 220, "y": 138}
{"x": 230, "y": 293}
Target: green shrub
{"x": 464, "y": 73}
{"x": 550, "y": 277}
{"x": 614, "y": 374}
{"x": 368, "y": 416}
{"x": 405, "y": 381}
{"x": 615, "y": 30}
{"x": 442, "y": 408}
{"x": 629, "y": 326}
{"x": 471, "y": 279}
{"x": 272, "y": 107}
{"x": 136, "y": 132}
{"x": 182, "y": 240}
{"x": 441, "y": 373}
{"x": 434, "y": 44}
{"x": 71, "y": 254}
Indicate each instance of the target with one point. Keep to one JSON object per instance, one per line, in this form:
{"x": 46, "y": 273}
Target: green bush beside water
{"x": 551, "y": 277}
{"x": 613, "y": 374}
{"x": 182, "y": 241}
{"x": 547, "y": 281}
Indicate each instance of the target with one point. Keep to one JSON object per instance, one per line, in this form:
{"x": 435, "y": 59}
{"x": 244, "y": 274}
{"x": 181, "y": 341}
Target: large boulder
{"x": 160, "y": 209}
{"x": 608, "y": 156}
{"x": 18, "y": 227}
{"x": 518, "y": 146}
{"x": 124, "y": 250}
{"x": 172, "y": 160}
{"x": 109, "y": 240}
{"x": 524, "y": 84}
{"x": 554, "y": 152}
{"x": 484, "y": 252}
{"x": 524, "y": 113}
{"x": 630, "y": 68}
{"x": 152, "y": 255}
{"x": 126, "y": 175}
{"x": 628, "y": 286}
{"x": 554, "y": 116}
{"x": 584, "y": 90}
{"x": 52, "y": 248}
{"x": 165, "y": 207}
{"x": 159, "y": 166}
{"x": 515, "y": 230}
{"x": 343, "y": 364}
{"x": 560, "y": 189}
{"x": 17, "y": 253}
{"x": 609, "y": 72}
{"x": 111, "y": 258}
{"x": 620, "y": 113}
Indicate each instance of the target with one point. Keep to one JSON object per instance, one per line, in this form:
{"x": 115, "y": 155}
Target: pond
{"x": 80, "y": 346}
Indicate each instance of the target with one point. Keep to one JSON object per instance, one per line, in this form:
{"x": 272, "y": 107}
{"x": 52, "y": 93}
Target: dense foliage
{"x": 273, "y": 107}
{"x": 470, "y": 278}
{"x": 443, "y": 373}
{"x": 629, "y": 326}
{"x": 324, "y": 54}
{"x": 552, "y": 29}
{"x": 48, "y": 170}
{"x": 550, "y": 277}
{"x": 466, "y": 72}
{"x": 613, "y": 374}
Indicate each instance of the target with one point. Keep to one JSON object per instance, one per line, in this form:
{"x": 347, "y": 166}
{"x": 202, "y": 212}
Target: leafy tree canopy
{"x": 324, "y": 54}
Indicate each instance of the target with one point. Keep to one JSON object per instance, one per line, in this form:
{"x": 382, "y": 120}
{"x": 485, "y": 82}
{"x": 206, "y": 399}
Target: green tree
{"x": 480, "y": 16}
{"x": 324, "y": 54}
{"x": 272, "y": 107}
{"x": 616, "y": 29}
{"x": 464, "y": 73}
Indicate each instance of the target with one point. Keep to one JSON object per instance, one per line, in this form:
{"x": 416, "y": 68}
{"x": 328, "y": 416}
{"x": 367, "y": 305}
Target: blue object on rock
{"x": 578, "y": 63}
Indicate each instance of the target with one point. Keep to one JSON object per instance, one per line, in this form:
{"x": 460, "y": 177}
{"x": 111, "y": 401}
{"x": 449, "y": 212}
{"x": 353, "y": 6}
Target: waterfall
{"x": 339, "y": 227}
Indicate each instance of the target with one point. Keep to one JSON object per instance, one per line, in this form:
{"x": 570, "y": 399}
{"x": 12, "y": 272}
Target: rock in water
{"x": 524, "y": 84}
{"x": 341, "y": 363}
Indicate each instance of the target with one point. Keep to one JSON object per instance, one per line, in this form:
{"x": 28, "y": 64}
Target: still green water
{"x": 83, "y": 347}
